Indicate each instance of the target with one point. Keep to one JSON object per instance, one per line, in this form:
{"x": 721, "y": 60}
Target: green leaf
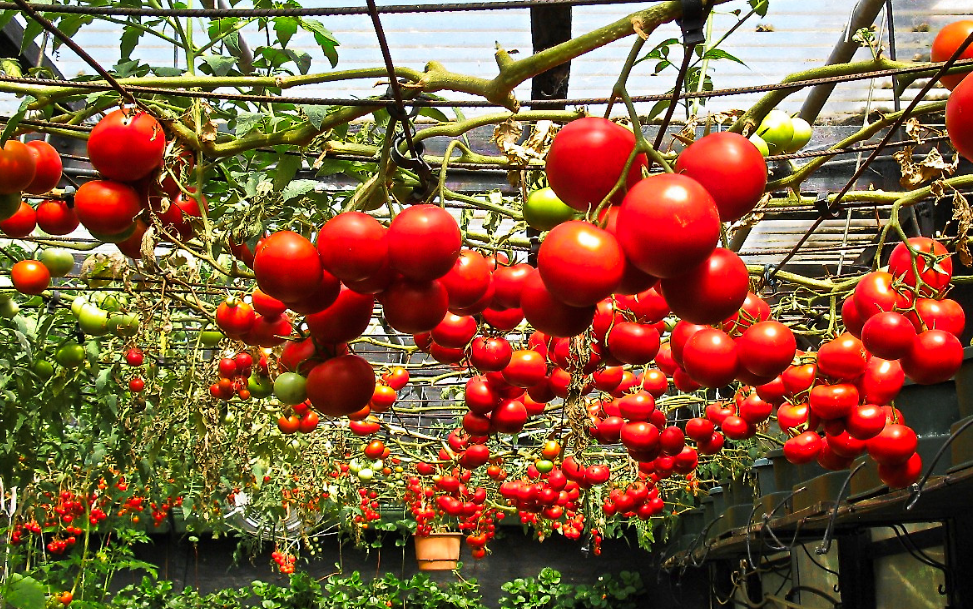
{"x": 246, "y": 121}
{"x": 32, "y": 30}
{"x": 219, "y": 64}
{"x": 296, "y": 188}
{"x": 715, "y": 54}
{"x": 6, "y": 16}
{"x": 302, "y": 59}
{"x": 286, "y": 169}
{"x": 130, "y": 39}
{"x": 25, "y": 592}
{"x": 15, "y": 119}
{"x": 760, "y": 6}
{"x": 434, "y": 113}
{"x": 315, "y": 114}
{"x": 163, "y": 71}
{"x": 285, "y": 28}
{"x": 324, "y": 38}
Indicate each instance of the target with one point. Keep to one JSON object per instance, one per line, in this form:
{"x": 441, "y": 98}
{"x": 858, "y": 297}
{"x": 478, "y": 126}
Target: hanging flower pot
{"x": 437, "y": 551}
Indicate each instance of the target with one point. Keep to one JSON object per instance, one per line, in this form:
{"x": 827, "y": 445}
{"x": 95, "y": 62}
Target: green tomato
{"x": 58, "y": 261}
{"x": 290, "y": 388}
{"x": 777, "y": 130}
{"x": 260, "y": 386}
{"x": 108, "y": 301}
{"x": 43, "y": 369}
{"x": 77, "y": 304}
{"x": 70, "y": 355}
{"x": 93, "y": 320}
{"x": 9, "y": 308}
{"x": 543, "y": 210}
{"x": 544, "y": 465}
{"x": 761, "y": 145}
{"x": 124, "y": 325}
{"x": 210, "y": 338}
{"x": 366, "y": 475}
{"x": 9, "y": 204}
{"x": 354, "y": 466}
{"x": 802, "y": 135}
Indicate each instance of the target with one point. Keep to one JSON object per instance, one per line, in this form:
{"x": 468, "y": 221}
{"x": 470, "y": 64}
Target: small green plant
{"x": 547, "y": 591}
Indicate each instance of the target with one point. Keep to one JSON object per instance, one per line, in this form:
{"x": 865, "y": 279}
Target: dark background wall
{"x": 208, "y": 565}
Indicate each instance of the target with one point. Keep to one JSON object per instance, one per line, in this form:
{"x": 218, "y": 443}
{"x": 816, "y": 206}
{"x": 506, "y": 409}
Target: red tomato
{"x": 526, "y": 368}
{"x": 754, "y": 410}
{"x": 793, "y": 416}
{"x": 831, "y": 460}
{"x": 505, "y": 320}
{"x": 20, "y": 224}
{"x": 648, "y": 307}
{"x": 446, "y": 355}
{"x": 772, "y": 392}
{"x": 126, "y": 145}
{"x": 881, "y": 381}
{"x": 235, "y": 318}
{"x": 455, "y": 331}
{"x": 607, "y": 379}
{"x": 424, "y": 242}
{"x": 353, "y": 246}
{"x": 508, "y": 283}
{"x": 469, "y": 279}
{"x": 945, "y": 314}
{"x": 699, "y": 428}
{"x": 341, "y": 386}
{"x": 903, "y": 474}
{"x": 632, "y": 343}
{"x": 736, "y": 428}
{"x": 730, "y": 167}
{"x": 935, "y": 357}
{"x": 30, "y": 277}
{"x": 935, "y": 275}
{"x": 874, "y": 294}
{"x": 580, "y": 263}
{"x": 672, "y": 440}
{"x": 637, "y": 406}
{"x": 640, "y": 436}
{"x": 833, "y": 401}
{"x": 480, "y": 396}
{"x": 17, "y": 167}
{"x": 683, "y": 382}
{"x": 710, "y": 358}
{"x": 766, "y": 348}
{"x": 56, "y": 218}
{"x": 597, "y": 474}
{"x": 655, "y": 382}
{"x": 798, "y": 379}
{"x": 509, "y": 416}
{"x": 753, "y": 310}
{"x": 843, "y": 358}
{"x": 845, "y": 445}
{"x": 268, "y": 331}
{"x": 865, "y": 421}
{"x": 851, "y": 317}
{"x": 414, "y": 306}
{"x": 888, "y": 335}
{"x": 803, "y": 448}
{"x": 959, "y": 117}
{"x": 48, "y": 167}
{"x": 105, "y": 207}
{"x": 895, "y": 444}
{"x": 947, "y": 41}
{"x": 710, "y": 291}
{"x": 490, "y": 353}
{"x": 287, "y": 267}
{"x": 586, "y": 159}
{"x": 668, "y": 223}
{"x": 176, "y": 220}
{"x": 549, "y": 314}
{"x": 266, "y": 305}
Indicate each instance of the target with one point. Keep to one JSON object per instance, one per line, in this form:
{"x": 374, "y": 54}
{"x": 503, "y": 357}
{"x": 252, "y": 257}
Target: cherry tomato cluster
{"x": 285, "y": 562}
{"x": 234, "y": 374}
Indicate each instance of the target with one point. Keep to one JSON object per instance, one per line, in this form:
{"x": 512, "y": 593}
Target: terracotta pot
{"x": 437, "y": 551}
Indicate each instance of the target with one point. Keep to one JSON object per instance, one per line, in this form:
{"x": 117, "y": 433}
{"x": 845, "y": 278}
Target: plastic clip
{"x": 692, "y": 22}
{"x": 824, "y": 208}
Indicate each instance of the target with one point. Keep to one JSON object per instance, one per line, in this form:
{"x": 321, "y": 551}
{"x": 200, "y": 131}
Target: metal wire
{"x": 217, "y": 13}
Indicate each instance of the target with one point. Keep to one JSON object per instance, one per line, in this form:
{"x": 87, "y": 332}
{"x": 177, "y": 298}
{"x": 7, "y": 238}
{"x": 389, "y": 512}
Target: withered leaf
{"x": 933, "y": 167}
{"x": 964, "y": 218}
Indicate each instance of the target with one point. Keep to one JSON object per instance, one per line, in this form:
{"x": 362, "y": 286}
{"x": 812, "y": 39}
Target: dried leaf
{"x": 507, "y": 135}
{"x": 938, "y": 189}
{"x": 914, "y": 129}
{"x": 964, "y": 218}
{"x": 148, "y": 246}
{"x": 933, "y": 167}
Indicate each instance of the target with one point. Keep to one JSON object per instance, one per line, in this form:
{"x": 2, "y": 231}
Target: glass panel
{"x": 902, "y": 582}
{"x": 817, "y": 572}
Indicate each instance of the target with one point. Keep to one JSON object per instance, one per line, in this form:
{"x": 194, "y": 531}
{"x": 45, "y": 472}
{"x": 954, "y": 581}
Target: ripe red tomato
{"x": 490, "y": 353}
{"x": 843, "y": 358}
{"x": 875, "y": 293}
{"x": 176, "y": 220}
{"x": 20, "y": 224}
{"x": 903, "y": 474}
{"x": 668, "y": 223}
{"x": 268, "y": 331}
{"x": 526, "y": 368}
{"x": 455, "y": 331}
{"x": 504, "y": 320}
{"x": 895, "y": 444}
{"x": 640, "y": 436}
{"x": 803, "y": 448}
{"x": 509, "y": 416}
{"x": 235, "y": 318}
{"x": 772, "y": 392}
{"x": 30, "y": 277}
{"x": 287, "y": 266}
{"x": 548, "y": 314}
{"x": 851, "y": 317}
{"x": 341, "y": 386}
{"x": 508, "y": 283}
{"x": 353, "y": 246}
{"x": 266, "y": 305}
{"x": 934, "y": 275}
{"x": 648, "y": 306}
{"x": 766, "y": 348}
{"x": 655, "y": 382}
{"x": 633, "y": 343}
{"x": 793, "y": 416}
{"x": 755, "y": 410}
{"x": 699, "y": 428}
{"x": 289, "y": 425}
{"x": 710, "y": 291}
{"x": 947, "y": 41}
{"x": 865, "y": 421}
{"x": 888, "y": 335}
{"x": 833, "y": 401}
{"x": 580, "y": 263}
{"x": 105, "y": 207}
{"x": 586, "y": 159}
{"x": 48, "y": 167}
{"x": 710, "y": 358}
{"x": 730, "y": 167}
{"x": 959, "y": 117}
{"x": 56, "y": 218}
{"x": 945, "y": 314}
{"x": 136, "y": 385}
{"x": 681, "y": 332}
{"x": 798, "y": 379}
{"x": 414, "y": 306}
{"x": 17, "y": 167}
{"x": 423, "y": 242}
{"x": 637, "y": 406}
{"x": 935, "y": 357}
{"x": 881, "y": 381}
{"x": 126, "y": 145}
{"x": 753, "y": 310}
{"x": 736, "y": 428}
{"x": 469, "y": 279}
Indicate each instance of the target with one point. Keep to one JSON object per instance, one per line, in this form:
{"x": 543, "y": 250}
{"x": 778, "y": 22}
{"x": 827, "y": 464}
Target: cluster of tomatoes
{"x": 637, "y": 500}
{"x": 285, "y": 561}
{"x": 369, "y": 505}
{"x": 234, "y": 376}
